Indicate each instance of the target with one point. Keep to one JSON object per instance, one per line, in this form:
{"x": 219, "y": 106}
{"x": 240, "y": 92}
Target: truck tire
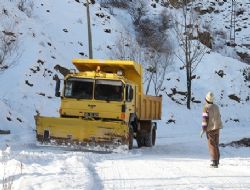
{"x": 153, "y": 136}
{"x": 148, "y": 139}
{"x": 131, "y": 137}
{"x": 139, "y": 140}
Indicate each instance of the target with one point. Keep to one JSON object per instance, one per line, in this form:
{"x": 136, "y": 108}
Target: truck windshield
{"x": 109, "y": 90}
{"x": 79, "y": 88}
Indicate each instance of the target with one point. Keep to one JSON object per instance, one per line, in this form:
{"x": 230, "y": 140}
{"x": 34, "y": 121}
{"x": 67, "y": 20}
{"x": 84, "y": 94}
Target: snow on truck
{"x": 103, "y": 104}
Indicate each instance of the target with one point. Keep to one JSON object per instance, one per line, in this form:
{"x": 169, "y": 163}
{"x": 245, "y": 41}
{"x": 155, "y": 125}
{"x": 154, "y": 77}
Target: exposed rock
{"x": 170, "y": 121}
{"x": 64, "y": 71}
{"x": 28, "y": 83}
{"x": 101, "y": 15}
{"x": 195, "y": 101}
{"x": 238, "y": 29}
{"x": 41, "y": 94}
{"x": 244, "y": 57}
{"x": 178, "y": 92}
{"x": 4, "y": 132}
{"x": 220, "y": 73}
{"x": 7, "y": 33}
{"x": 107, "y": 30}
{"x": 40, "y": 61}
{"x": 18, "y": 119}
{"x": 240, "y": 12}
{"x": 234, "y": 97}
{"x": 231, "y": 44}
{"x": 201, "y": 11}
{"x": 153, "y": 5}
{"x": 245, "y": 142}
{"x": 65, "y": 30}
{"x": 205, "y": 38}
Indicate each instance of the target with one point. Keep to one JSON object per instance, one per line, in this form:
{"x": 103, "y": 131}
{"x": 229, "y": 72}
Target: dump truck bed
{"x": 150, "y": 108}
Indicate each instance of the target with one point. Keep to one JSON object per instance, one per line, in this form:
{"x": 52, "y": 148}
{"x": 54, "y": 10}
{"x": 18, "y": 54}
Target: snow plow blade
{"x": 80, "y": 131}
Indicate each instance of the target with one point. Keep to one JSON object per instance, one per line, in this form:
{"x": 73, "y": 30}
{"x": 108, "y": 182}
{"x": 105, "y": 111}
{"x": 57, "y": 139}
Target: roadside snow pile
{"x": 45, "y": 170}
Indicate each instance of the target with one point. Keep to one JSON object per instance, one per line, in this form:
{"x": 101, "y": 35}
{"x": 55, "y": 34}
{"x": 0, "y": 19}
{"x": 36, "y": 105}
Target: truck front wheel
{"x": 131, "y": 137}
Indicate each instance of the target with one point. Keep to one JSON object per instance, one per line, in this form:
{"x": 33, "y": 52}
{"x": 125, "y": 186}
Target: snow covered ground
{"x": 180, "y": 159}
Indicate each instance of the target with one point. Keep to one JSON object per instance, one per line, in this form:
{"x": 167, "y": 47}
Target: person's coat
{"x": 214, "y": 117}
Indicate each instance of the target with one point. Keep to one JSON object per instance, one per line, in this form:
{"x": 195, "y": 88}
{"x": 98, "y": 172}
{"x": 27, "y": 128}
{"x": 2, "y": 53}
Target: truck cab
{"x": 98, "y": 96}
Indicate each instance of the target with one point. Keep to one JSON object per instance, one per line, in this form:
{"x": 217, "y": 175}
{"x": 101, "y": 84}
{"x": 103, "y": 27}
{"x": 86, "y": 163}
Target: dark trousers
{"x": 213, "y": 144}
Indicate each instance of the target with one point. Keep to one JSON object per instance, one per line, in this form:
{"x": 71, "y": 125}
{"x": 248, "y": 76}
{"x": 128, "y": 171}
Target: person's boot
{"x": 214, "y": 164}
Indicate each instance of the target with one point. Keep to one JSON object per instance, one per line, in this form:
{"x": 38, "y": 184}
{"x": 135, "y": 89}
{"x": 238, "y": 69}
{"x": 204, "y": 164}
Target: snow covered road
{"x": 165, "y": 166}
{"x": 173, "y": 173}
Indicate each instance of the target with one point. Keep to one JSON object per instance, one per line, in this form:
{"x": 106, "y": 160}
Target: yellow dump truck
{"x": 103, "y": 104}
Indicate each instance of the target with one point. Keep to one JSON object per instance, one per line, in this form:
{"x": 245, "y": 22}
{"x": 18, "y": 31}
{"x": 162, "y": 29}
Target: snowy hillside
{"x": 51, "y": 33}
{"x": 47, "y": 38}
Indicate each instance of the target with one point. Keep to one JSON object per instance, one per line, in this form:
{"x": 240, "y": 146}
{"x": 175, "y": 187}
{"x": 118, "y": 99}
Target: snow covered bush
{"x": 137, "y": 11}
{"x": 246, "y": 73}
{"x": 178, "y": 3}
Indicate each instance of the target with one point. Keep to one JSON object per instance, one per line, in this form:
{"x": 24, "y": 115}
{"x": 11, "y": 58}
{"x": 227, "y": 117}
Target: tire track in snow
{"x": 95, "y": 179}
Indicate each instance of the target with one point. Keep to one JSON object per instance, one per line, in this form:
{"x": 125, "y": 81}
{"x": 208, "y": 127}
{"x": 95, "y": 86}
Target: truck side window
{"x": 129, "y": 93}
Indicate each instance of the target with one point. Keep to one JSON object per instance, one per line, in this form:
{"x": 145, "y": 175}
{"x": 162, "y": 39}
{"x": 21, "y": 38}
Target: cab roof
{"x": 109, "y": 66}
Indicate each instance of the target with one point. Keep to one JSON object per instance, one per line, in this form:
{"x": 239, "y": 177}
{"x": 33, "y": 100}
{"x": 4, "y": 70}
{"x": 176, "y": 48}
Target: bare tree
{"x": 192, "y": 49}
{"x": 8, "y": 49}
{"x": 125, "y": 48}
{"x": 156, "y": 55}
{"x": 160, "y": 52}
{"x": 157, "y": 64}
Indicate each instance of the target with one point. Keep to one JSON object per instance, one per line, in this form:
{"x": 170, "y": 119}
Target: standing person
{"x": 211, "y": 124}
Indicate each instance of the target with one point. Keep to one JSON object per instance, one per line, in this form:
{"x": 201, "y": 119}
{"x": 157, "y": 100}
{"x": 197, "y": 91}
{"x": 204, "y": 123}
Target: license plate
{"x": 91, "y": 114}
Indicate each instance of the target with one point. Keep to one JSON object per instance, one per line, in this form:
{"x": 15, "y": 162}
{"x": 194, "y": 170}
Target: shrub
{"x": 8, "y": 49}
{"x": 114, "y": 3}
{"x": 26, "y": 6}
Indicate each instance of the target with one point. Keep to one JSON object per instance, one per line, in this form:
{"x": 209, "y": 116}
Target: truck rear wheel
{"x": 153, "y": 136}
{"x": 148, "y": 139}
{"x": 139, "y": 140}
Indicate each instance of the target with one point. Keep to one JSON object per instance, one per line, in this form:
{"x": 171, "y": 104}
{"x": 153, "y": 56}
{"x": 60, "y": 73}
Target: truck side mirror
{"x": 57, "y": 90}
{"x": 126, "y": 93}
{"x": 131, "y": 93}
